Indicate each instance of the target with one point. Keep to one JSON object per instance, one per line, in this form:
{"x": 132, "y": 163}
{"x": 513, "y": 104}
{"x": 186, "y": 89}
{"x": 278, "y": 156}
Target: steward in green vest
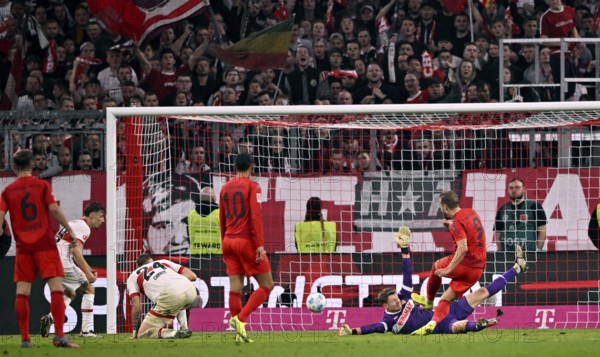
{"x": 520, "y": 221}
{"x": 314, "y": 235}
{"x": 203, "y": 225}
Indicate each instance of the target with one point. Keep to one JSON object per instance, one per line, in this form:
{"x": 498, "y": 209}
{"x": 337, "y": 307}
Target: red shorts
{"x": 239, "y": 255}
{"x": 463, "y": 276}
{"x": 46, "y": 262}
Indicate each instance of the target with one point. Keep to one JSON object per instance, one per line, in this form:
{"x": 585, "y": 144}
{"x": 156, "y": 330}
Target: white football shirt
{"x": 63, "y": 242}
{"x": 155, "y": 278}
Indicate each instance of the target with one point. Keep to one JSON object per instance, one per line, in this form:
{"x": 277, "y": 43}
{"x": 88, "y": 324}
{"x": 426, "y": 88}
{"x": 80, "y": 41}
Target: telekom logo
{"x": 335, "y": 318}
{"x": 226, "y": 317}
{"x": 544, "y": 316}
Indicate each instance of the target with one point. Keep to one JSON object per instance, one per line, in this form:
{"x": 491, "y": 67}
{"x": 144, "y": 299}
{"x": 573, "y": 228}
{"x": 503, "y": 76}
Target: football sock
{"x": 22, "y": 310}
{"x": 441, "y": 311}
{"x": 433, "y": 285}
{"x": 182, "y": 319}
{"x": 235, "y": 303}
{"x": 67, "y": 301}
{"x": 499, "y": 283}
{"x": 256, "y": 299}
{"x": 156, "y": 332}
{"x": 57, "y": 307}
{"x": 87, "y": 312}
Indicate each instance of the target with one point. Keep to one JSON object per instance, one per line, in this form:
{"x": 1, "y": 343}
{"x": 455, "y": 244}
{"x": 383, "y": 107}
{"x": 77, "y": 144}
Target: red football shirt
{"x": 467, "y": 225}
{"x": 163, "y": 84}
{"x": 421, "y": 98}
{"x": 27, "y": 199}
{"x": 558, "y": 24}
{"x": 240, "y": 212}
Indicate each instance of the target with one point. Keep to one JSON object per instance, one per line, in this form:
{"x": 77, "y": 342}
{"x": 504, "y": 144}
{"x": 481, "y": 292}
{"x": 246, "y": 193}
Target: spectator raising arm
{"x": 144, "y": 63}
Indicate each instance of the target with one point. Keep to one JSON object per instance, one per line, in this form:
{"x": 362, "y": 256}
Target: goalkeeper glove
{"x": 403, "y": 238}
{"x": 344, "y": 330}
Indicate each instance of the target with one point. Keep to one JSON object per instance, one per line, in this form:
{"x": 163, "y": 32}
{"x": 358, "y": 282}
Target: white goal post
{"x": 557, "y": 117}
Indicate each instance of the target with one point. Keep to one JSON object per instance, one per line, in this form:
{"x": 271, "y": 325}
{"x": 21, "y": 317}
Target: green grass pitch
{"x": 489, "y": 343}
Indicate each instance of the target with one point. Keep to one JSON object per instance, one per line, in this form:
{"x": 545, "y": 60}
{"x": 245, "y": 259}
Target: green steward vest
{"x": 205, "y": 233}
{"x": 312, "y": 237}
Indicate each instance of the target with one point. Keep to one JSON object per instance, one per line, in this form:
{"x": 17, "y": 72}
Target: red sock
{"x": 57, "y": 307}
{"x": 441, "y": 311}
{"x": 22, "y": 310}
{"x": 256, "y": 299}
{"x": 433, "y": 285}
{"x": 235, "y": 303}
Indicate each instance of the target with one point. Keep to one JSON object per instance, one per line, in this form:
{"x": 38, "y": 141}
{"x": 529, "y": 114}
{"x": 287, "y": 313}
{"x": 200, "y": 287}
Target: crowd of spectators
{"x": 403, "y": 51}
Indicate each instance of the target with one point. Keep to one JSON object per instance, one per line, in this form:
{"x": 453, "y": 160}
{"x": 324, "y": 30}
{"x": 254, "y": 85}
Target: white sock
{"x": 182, "y": 319}
{"x": 155, "y": 332}
{"x": 67, "y": 301}
{"x": 87, "y": 312}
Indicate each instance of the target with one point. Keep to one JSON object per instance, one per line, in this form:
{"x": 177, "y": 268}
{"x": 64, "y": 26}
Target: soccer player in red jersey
{"x": 243, "y": 244}
{"x": 29, "y": 199}
{"x": 465, "y": 266}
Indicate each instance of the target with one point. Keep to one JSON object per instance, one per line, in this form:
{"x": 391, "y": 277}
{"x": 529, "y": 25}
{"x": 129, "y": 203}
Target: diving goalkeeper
{"x": 403, "y": 316}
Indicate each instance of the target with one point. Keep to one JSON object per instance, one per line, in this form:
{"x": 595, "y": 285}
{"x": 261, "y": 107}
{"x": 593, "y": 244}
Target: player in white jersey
{"x": 79, "y": 276}
{"x": 171, "y": 289}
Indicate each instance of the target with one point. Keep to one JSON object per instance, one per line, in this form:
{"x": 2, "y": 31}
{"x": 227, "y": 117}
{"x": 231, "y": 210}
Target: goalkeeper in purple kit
{"x": 403, "y": 316}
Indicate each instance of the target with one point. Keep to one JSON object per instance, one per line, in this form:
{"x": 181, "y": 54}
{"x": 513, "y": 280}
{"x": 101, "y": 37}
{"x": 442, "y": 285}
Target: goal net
{"x": 337, "y": 181}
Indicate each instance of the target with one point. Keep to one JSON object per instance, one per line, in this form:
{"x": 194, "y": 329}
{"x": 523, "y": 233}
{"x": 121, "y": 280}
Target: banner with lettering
{"x": 366, "y": 209}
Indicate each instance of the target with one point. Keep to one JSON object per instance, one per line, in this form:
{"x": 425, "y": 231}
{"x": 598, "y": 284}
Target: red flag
{"x": 280, "y": 12}
{"x": 137, "y": 19}
{"x": 383, "y": 24}
{"x": 514, "y": 28}
{"x": 16, "y": 70}
{"x": 486, "y": 3}
{"x": 454, "y": 6}
{"x": 84, "y": 65}
{"x": 50, "y": 58}
{"x": 339, "y": 74}
{"x": 427, "y": 65}
{"x": 13, "y": 84}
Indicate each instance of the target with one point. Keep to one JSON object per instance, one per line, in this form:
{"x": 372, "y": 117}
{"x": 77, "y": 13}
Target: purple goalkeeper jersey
{"x": 410, "y": 318}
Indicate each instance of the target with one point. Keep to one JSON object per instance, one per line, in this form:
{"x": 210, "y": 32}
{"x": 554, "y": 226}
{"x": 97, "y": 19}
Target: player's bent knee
{"x": 55, "y": 283}
{"x": 197, "y": 303}
{"x": 69, "y": 293}
{"x": 88, "y": 289}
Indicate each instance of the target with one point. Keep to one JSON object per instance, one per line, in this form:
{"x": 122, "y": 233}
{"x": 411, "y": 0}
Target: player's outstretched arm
{"x": 402, "y": 237}
{"x": 378, "y": 327}
{"x": 345, "y": 330}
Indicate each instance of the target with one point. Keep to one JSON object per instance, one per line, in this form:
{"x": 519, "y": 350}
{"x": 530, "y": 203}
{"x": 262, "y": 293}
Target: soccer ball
{"x": 316, "y": 302}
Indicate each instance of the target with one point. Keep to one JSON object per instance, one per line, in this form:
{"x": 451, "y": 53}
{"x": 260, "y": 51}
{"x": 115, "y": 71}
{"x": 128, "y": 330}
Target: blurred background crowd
{"x": 56, "y": 56}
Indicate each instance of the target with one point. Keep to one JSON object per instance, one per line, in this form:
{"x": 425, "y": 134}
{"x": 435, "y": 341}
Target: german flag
{"x": 261, "y": 50}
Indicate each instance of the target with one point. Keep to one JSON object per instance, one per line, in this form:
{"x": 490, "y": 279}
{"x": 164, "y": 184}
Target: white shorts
{"x": 169, "y": 304}
{"x": 74, "y": 278}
